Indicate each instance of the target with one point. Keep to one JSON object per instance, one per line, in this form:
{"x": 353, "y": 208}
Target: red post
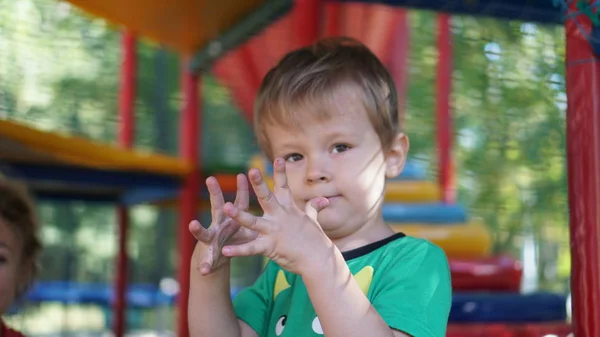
{"x": 331, "y": 18}
{"x": 583, "y": 165}
{"x": 307, "y": 15}
{"x": 190, "y": 145}
{"x": 126, "y": 133}
{"x": 127, "y": 93}
{"x": 444, "y": 114}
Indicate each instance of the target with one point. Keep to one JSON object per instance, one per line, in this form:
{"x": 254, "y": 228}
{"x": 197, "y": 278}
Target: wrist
{"x": 319, "y": 259}
{"x": 199, "y": 250}
{"x": 199, "y": 256}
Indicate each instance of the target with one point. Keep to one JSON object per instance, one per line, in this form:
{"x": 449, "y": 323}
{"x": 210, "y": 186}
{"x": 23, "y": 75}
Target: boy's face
{"x": 340, "y": 158}
{"x": 9, "y": 263}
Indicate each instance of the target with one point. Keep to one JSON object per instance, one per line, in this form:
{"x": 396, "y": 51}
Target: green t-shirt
{"x": 406, "y": 279}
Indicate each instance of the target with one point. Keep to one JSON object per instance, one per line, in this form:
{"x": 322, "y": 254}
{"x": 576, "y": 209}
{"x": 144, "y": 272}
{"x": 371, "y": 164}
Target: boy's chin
{"x": 330, "y": 220}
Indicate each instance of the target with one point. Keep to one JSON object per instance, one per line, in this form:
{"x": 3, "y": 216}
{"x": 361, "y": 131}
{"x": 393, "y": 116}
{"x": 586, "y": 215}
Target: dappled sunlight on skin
{"x": 373, "y": 212}
{"x": 379, "y": 171}
{"x": 337, "y": 153}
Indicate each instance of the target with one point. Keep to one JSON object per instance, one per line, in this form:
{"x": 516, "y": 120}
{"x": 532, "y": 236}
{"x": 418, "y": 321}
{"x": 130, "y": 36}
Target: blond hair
{"x": 300, "y": 86}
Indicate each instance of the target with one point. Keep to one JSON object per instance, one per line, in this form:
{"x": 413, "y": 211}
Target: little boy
{"x": 327, "y": 117}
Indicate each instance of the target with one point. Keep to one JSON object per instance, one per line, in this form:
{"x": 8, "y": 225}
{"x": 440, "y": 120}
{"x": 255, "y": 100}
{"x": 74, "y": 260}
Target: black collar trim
{"x": 364, "y": 250}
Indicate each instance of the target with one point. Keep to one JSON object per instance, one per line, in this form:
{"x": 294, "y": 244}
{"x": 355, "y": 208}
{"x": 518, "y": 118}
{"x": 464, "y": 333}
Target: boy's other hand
{"x": 223, "y": 229}
{"x": 286, "y": 234}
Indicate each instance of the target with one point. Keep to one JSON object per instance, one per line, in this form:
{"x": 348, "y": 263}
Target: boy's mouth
{"x": 333, "y": 197}
{"x": 330, "y": 197}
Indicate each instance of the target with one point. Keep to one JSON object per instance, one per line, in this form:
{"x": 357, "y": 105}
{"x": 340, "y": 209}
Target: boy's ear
{"x": 396, "y": 156}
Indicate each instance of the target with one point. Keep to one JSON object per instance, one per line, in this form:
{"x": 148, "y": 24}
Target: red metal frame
{"x": 128, "y": 90}
{"x": 190, "y": 144}
{"x": 126, "y": 135}
{"x": 583, "y": 166}
{"x": 444, "y": 115}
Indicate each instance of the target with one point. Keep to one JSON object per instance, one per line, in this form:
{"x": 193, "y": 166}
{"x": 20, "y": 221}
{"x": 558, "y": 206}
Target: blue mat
{"x": 507, "y": 308}
{"x": 437, "y": 213}
{"x": 138, "y": 295}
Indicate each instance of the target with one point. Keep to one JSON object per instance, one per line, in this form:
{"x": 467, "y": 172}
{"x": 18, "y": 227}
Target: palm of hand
{"x": 228, "y": 232}
{"x": 285, "y": 234}
{"x": 223, "y": 230}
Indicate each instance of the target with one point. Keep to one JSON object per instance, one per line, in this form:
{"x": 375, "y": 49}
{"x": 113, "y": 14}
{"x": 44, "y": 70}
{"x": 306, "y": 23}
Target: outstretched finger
{"x": 246, "y": 219}
{"x": 200, "y": 233}
{"x": 242, "y": 198}
{"x": 252, "y": 248}
{"x": 266, "y": 198}
{"x": 314, "y": 206}
{"x": 216, "y": 199}
{"x": 281, "y": 188}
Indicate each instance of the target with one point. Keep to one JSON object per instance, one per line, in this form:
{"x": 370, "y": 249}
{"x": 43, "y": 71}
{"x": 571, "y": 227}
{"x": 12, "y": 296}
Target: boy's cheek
{"x": 300, "y": 204}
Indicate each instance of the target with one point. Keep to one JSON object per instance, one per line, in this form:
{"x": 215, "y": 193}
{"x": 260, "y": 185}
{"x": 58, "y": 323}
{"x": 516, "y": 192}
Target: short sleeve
{"x": 253, "y": 304}
{"x": 414, "y": 293}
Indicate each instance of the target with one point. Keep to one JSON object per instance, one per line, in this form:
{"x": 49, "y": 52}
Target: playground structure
{"x": 128, "y": 177}
{"x": 486, "y": 287}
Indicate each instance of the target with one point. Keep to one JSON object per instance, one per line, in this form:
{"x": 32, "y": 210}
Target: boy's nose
{"x": 316, "y": 171}
{"x": 317, "y": 178}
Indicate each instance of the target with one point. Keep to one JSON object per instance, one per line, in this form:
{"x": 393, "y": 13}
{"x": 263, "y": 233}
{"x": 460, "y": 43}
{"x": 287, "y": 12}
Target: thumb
{"x": 314, "y": 206}
{"x": 200, "y": 233}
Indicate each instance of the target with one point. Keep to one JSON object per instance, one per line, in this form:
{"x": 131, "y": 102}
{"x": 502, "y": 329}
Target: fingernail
{"x": 226, "y": 250}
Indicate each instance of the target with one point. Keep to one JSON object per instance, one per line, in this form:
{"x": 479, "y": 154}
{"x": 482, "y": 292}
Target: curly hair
{"x": 17, "y": 209}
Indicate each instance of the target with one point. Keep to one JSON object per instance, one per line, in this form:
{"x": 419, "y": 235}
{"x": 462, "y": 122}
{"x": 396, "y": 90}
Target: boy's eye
{"x": 293, "y": 157}
{"x": 340, "y": 148}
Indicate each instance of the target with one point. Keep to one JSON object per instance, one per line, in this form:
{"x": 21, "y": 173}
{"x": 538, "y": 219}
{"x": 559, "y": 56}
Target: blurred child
{"x": 327, "y": 116}
{"x": 19, "y": 247}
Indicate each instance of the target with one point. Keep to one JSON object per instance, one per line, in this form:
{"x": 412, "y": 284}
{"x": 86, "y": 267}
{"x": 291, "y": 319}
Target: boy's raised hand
{"x": 286, "y": 234}
{"x": 223, "y": 229}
